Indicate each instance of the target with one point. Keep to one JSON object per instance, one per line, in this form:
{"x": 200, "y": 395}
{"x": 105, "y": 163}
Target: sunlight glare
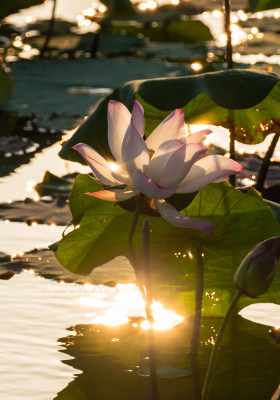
{"x": 196, "y": 66}
{"x": 151, "y": 4}
{"x": 217, "y": 14}
{"x": 102, "y": 9}
{"x": 113, "y": 166}
{"x": 142, "y": 6}
{"x": 121, "y": 303}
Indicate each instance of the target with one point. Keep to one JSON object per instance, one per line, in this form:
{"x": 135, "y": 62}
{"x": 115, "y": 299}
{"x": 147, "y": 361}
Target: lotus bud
{"x": 258, "y": 268}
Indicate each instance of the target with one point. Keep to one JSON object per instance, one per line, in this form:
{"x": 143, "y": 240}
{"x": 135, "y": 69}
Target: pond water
{"x": 70, "y": 341}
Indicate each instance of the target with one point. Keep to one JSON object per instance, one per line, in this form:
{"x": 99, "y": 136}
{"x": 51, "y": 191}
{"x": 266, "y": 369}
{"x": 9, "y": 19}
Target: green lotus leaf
{"x": 248, "y": 98}
{"x": 261, "y": 5}
{"x": 241, "y": 220}
{"x": 13, "y": 6}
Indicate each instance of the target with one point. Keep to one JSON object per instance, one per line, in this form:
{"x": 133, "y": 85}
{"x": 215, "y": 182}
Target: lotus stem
{"x": 95, "y": 44}
{"x": 133, "y": 259}
{"x": 227, "y": 7}
{"x": 196, "y": 325}
{"x": 266, "y": 162}
{"x": 212, "y": 361}
{"x": 231, "y": 127}
{"x": 50, "y": 31}
{"x": 154, "y": 393}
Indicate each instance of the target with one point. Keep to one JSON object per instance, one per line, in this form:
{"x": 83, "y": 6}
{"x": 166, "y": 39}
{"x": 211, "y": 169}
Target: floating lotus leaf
{"x": 189, "y": 31}
{"x": 240, "y": 222}
{"x": 13, "y": 6}
{"x": 261, "y": 5}
{"x": 248, "y": 98}
{"x": 54, "y": 211}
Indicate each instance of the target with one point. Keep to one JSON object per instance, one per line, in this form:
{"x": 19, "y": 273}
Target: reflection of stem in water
{"x": 133, "y": 259}
{"x": 50, "y": 31}
{"x": 231, "y": 127}
{"x": 228, "y": 34}
{"x": 212, "y": 361}
{"x": 196, "y": 324}
{"x": 154, "y": 393}
{"x": 266, "y": 162}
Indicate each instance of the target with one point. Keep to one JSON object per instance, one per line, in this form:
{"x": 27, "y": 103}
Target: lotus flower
{"x": 167, "y": 162}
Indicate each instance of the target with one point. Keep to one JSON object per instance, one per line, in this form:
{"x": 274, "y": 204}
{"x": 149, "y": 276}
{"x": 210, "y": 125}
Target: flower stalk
{"x": 196, "y": 325}
{"x": 133, "y": 259}
{"x": 227, "y": 9}
{"x": 213, "y": 357}
{"x": 154, "y": 393}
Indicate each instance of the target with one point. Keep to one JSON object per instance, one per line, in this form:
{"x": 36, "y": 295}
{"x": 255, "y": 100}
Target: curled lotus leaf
{"x": 248, "y": 99}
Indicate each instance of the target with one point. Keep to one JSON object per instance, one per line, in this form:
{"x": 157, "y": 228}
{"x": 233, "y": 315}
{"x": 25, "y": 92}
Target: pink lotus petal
{"x": 146, "y": 186}
{"x": 172, "y": 161}
{"x": 118, "y": 121}
{"x": 173, "y": 127}
{"x": 138, "y": 117}
{"x": 99, "y": 166}
{"x": 198, "y": 137}
{"x": 135, "y": 154}
{"x": 114, "y": 194}
{"x": 174, "y": 217}
{"x": 207, "y": 170}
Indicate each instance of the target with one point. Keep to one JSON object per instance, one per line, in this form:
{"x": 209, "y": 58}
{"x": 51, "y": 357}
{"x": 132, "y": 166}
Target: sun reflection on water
{"x": 122, "y": 304}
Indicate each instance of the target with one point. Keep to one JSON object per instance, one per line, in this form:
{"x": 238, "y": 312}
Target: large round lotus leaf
{"x": 13, "y": 6}
{"x": 261, "y": 5}
{"x": 248, "y": 98}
